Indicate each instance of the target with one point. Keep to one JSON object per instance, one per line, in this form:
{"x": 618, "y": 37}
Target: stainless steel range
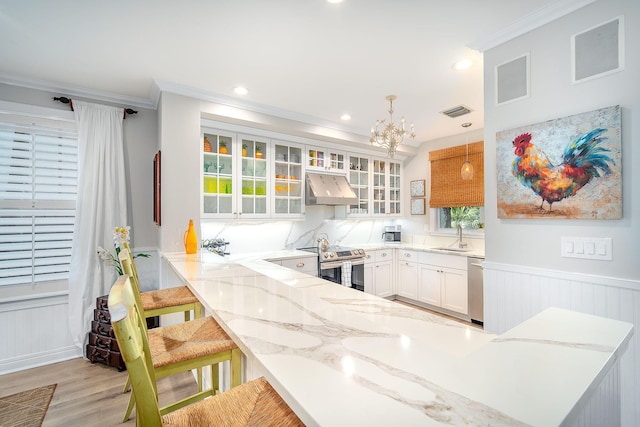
{"x": 341, "y": 265}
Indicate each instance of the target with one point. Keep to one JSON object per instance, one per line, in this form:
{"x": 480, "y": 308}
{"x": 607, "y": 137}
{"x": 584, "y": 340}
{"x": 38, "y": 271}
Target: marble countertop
{"x": 342, "y": 357}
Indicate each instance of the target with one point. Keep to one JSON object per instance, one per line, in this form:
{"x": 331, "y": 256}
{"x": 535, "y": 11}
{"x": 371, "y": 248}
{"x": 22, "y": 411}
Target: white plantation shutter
{"x": 38, "y": 190}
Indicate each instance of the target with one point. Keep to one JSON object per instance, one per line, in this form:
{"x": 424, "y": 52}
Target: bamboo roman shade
{"x": 448, "y": 189}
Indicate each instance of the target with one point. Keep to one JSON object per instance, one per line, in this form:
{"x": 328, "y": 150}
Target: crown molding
{"x": 76, "y": 91}
{"x": 530, "y": 22}
{"x": 178, "y": 89}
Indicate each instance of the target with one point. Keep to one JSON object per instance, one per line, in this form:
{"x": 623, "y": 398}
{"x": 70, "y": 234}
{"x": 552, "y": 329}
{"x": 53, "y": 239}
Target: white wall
{"x": 35, "y": 319}
{"x": 524, "y": 272}
{"x": 552, "y": 96}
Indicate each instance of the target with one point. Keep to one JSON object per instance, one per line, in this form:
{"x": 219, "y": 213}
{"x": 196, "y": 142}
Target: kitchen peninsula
{"x": 343, "y": 357}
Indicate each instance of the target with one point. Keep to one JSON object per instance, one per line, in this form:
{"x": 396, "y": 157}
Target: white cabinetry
{"x": 386, "y": 187}
{"x": 443, "y": 281}
{"x": 359, "y": 175}
{"x": 321, "y": 159}
{"x": 408, "y": 274}
{"x": 307, "y": 264}
{"x": 235, "y": 175}
{"x": 288, "y": 180}
{"x": 378, "y": 272}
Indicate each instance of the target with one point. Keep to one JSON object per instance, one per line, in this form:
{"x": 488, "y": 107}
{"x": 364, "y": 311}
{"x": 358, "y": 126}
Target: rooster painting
{"x": 564, "y": 168}
{"x": 583, "y": 160}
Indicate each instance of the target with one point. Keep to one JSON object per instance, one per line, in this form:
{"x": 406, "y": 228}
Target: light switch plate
{"x": 586, "y": 247}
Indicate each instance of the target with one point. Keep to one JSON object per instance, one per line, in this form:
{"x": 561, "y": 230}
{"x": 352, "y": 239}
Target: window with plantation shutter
{"x": 38, "y": 191}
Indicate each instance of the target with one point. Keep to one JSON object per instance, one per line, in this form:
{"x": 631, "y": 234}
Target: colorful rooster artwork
{"x": 564, "y": 168}
{"x": 583, "y": 160}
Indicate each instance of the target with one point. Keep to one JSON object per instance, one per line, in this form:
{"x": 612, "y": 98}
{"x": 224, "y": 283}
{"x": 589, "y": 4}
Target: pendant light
{"x": 466, "y": 172}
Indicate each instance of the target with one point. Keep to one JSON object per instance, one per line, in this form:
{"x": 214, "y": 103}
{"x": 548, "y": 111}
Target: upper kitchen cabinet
{"x": 321, "y": 159}
{"x": 235, "y": 175}
{"x": 386, "y": 187}
{"x": 288, "y": 180}
{"x": 359, "y": 178}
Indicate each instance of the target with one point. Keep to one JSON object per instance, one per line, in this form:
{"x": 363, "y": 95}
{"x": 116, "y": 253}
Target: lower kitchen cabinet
{"x": 378, "y": 272}
{"x": 304, "y": 264}
{"x": 443, "y": 282}
{"x": 408, "y": 274}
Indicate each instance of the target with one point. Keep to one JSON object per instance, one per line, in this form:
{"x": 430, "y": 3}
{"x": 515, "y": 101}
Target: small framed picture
{"x": 417, "y": 206}
{"x": 417, "y": 188}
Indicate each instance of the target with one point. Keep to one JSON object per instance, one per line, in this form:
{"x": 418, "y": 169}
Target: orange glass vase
{"x": 190, "y": 239}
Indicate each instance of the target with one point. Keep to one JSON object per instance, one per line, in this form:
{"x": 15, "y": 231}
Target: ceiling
{"x": 306, "y": 59}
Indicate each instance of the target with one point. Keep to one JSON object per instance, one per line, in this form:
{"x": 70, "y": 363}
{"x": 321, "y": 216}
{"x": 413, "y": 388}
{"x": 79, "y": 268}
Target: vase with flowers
{"x": 121, "y": 237}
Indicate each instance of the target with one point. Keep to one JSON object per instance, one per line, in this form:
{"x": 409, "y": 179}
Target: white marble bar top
{"x": 340, "y": 357}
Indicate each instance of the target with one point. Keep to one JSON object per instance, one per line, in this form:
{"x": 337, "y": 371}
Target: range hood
{"x": 326, "y": 189}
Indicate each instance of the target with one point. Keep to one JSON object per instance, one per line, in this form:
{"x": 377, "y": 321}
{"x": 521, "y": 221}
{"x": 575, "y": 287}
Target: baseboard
{"x": 34, "y": 360}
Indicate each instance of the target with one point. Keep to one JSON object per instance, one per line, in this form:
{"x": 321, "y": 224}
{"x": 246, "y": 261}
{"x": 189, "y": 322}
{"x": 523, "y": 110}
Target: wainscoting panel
{"x": 515, "y": 293}
{"x": 35, "y": 332}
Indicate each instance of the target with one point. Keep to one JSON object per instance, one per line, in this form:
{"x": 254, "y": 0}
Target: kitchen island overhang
{"x": 342, "y": 357}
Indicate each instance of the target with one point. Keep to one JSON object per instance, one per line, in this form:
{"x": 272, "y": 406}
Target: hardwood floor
{"x": 89, "y": 394}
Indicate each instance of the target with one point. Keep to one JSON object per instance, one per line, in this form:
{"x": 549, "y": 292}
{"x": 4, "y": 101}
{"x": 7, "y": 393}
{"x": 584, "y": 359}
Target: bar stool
{"x": 254, "y": 403}
{"x": 185, "y": 346}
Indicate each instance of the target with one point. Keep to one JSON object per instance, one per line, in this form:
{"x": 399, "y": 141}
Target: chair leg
{"x": 127, "y": 385}
{"x": 200, "y": 379}
{"x": 215, "y": 378}
{"x": 197, "y": 311}
{"x": 236, "y": 367}
{"x": 129, "y": 408}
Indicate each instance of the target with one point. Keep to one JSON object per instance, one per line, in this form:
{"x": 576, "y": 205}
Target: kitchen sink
{"x": 451, "y": 249}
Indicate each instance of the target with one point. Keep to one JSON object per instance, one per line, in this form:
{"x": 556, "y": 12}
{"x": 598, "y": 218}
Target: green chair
{"x": 167, "y": 301}
{"x": 254, "y": 403}
{"x": 185, "y": 346}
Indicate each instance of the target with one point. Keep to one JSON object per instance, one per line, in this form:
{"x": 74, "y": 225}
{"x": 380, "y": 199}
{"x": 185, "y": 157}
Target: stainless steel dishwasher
{"x": 476, "y": 291}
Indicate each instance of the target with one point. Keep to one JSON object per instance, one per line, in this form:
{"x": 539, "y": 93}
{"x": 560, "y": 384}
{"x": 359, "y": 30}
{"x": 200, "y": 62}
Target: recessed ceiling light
{"x": 345, "y": 117}
{"x": 240, "y": 90}
{"x": 334, "y": 1}
{"x": 462, "y": 64}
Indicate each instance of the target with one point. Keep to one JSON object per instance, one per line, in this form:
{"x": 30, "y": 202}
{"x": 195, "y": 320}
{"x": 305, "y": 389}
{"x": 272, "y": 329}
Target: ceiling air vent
{"x": 458, "y": 111}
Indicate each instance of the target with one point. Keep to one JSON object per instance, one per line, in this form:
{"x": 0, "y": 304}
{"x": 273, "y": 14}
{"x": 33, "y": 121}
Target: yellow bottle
{"x": 190, "y": 239}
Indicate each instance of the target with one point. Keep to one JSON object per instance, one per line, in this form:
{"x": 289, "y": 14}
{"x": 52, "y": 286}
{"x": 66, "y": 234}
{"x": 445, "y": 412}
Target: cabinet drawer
{"x": 443, "y": 260}
{"x": 407, "y": 255}
{"x": 306, "y": 264}
{"x": 384, "y": 255}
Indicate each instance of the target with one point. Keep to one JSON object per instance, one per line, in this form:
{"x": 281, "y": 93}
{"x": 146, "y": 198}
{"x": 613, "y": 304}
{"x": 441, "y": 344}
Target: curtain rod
{"x": 66, "y": 100}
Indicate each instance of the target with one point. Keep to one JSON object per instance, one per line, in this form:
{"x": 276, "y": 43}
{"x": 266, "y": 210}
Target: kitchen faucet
{"x": 461, "y": 244}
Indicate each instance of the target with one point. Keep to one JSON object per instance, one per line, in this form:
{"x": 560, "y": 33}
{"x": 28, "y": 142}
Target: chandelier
{"x": 388, "y": 135}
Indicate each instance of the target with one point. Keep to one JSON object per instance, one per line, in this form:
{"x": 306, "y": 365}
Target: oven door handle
{"x": 333, "y": 264}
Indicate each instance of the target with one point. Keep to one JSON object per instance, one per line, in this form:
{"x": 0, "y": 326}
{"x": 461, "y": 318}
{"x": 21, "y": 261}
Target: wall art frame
{"x": 566, "y": 168}
{"x": 418, "y": 206}
{"x": 417, "y": 188}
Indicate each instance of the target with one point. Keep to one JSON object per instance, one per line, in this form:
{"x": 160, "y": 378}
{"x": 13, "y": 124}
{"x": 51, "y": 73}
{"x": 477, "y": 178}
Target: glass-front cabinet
{"x": 394, "y": 188}
{"x": 325, "y": 160}
{"x": 254, "y": 176}
{"x": 235, "y": 175}
{"x": 377, "y": 183}
{"x": 288, "y": 180}
{"x": 359, "y": 180}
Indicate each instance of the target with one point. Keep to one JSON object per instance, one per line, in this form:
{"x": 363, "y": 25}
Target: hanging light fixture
{"x": 466, "y": 172}
{"x": 388, "y": 135}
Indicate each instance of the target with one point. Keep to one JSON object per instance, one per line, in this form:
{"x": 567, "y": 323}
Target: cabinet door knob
{"x": 384, "y": 254}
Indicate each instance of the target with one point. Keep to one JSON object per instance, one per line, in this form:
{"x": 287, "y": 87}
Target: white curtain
{"x": 101, "y": 206}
